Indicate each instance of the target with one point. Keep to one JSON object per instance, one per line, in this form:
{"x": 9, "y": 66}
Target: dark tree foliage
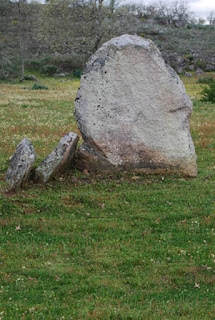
{"x": 208, "y": 93}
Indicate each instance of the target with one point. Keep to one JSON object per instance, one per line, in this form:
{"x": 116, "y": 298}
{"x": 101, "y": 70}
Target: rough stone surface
{"x": 21, "y": 164}
{"x": 58, "y": 160}
{"x": 133, "y": 111}
{"x": 199, "y": 71}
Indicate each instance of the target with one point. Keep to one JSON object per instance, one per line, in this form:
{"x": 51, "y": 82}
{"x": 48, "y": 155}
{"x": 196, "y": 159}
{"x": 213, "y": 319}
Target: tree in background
{"x": 211, "y": 18}
{"x": 26, "y": 18}
{"x": 18, "y": 31}
{"x": 7, "y": 30}
{"x": 170, "y": 13}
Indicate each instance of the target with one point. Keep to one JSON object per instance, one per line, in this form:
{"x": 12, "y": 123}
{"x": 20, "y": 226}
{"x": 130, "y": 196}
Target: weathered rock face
{"x": 21, "y": 164}
{"x": 199, "y": 72}
{"x": 58, "y": 160}
{"x": 133, "y": 111}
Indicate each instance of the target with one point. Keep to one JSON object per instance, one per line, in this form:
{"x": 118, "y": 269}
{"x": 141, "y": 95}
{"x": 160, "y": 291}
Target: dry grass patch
{"x": 44, "y": 116}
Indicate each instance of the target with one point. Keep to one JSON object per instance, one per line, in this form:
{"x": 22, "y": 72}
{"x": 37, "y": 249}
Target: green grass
{"x": 121, "y": 246}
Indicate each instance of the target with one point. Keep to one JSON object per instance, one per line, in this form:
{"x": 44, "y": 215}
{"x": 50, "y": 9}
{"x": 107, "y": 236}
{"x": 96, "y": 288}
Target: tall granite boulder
{"x": 133, "y": 111}
{"x": 21, "y": 165}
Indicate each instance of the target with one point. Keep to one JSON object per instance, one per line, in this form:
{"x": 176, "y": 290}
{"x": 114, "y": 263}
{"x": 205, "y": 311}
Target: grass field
{"x": 121, "y": 246}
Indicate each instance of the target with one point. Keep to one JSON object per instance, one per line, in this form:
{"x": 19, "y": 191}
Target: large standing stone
{"x": 21, "y": 164}
{"x": 58, "y": 160}
{"x": 133, "y": 111}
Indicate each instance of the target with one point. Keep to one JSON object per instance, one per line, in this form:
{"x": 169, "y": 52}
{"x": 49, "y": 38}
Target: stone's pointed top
{"x": 24, "y": 141}
{"x": 21, "y": 164}
{"x": 133, "y": 111}
{"x": 129, "y": 40}
{"x": 66, "y": 140}
{"x": 59, "y": 159}
{"x": 108, "y": 49}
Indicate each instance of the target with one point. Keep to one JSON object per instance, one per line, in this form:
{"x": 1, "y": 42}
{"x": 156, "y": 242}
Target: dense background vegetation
{"x": 60, "y": 35}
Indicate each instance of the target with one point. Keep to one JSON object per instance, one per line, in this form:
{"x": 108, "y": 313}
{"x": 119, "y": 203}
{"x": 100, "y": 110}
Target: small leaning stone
{"x": 58, "y": 160}
{"x": 21, "y": 164}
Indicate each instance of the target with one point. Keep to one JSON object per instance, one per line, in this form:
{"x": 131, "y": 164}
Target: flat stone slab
{"x": 58, "y": 160}
{"x": 133, "y": 111}
{"x": 21, "y": 165}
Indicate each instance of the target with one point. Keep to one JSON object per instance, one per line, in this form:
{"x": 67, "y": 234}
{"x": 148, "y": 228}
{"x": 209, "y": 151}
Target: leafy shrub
{"x": 9, "y": 68}
{"x": 39, "y": 63}
{"x": 71, "y": 62}
{"x": 60, "y": 62}
{"x": 77, "y": 73}
{"x": 24, "y": 106}
{"x": 200, "y": 64}
{"x": 30, "y": 78}
{"x": 205, "y": 80}
{"x": 49, "y": 69}
{"x": 208, "y": 93}
{"x": 190, "y": 57}
{"x": 3, "y": 74}
{"x": 38, "y": 86}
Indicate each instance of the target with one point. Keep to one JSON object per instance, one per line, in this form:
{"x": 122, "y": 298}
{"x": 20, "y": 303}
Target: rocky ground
{"x": 185, "y": 48}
